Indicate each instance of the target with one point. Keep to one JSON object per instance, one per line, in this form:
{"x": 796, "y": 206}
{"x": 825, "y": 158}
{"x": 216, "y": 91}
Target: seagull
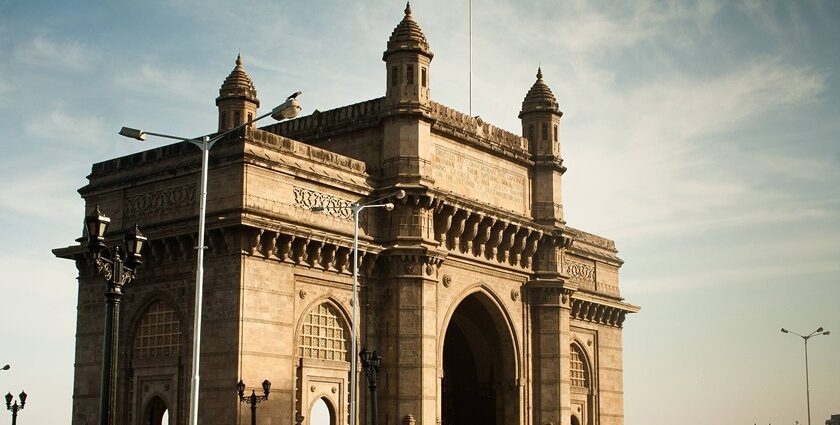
{"x": 294, "y": 95}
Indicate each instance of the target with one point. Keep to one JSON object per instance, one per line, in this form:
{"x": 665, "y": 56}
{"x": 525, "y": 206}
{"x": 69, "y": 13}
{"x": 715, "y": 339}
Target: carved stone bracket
{"x": 598, "y": 313}
{"x": 484, "y": 235}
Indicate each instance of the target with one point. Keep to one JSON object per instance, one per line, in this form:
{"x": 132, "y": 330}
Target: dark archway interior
{"x": 473, "y": 367}
{"x": 154, "y": 412}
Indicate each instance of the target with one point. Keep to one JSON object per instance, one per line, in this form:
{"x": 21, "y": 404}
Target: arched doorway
{"x": 321, "y": 413}
{"x": 479, "y": 366}
{"x": 156, "y": 412}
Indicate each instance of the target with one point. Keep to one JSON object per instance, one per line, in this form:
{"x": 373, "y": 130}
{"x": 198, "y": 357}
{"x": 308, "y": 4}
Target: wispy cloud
{"x": 169, "y": 82}
{"x": 61, "y": 126}
{"x": 667, "y": 149}
{"x": 43, "y": 52}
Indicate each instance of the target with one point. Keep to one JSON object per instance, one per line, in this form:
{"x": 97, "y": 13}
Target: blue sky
{"x": 704, "y": 137}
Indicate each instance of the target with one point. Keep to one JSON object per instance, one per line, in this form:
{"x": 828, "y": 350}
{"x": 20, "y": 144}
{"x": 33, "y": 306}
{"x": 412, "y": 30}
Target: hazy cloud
{"x": 43, "y": 52}
{"x": 61, "y": 126}
{"x": 181, "y": 83}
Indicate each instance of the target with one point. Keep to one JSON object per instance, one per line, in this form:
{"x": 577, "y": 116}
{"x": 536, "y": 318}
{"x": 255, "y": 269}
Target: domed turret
{"x": 540, "y": 98}
{"x": 408, "y": 36}
{"x": 407, "y": 58}
{"x": 237, "y": 99}
{"x": 540, "y": 117}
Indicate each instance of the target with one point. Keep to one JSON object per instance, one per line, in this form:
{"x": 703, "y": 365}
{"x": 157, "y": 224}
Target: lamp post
{"x": 253, "y": 399}
{"x": 6, "y": 367}
{"x": 805, "y": 338}
{"x": 14, "y": 408}
{"x": 356, "y": 208}
{"x": 117, "y": 272}
{"x": 371, "y": 362}
{"x": 288, "y": 109}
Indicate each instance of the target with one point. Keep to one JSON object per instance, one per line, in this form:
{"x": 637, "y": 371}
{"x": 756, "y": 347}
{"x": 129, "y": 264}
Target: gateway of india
{"x": 486, "y": 307}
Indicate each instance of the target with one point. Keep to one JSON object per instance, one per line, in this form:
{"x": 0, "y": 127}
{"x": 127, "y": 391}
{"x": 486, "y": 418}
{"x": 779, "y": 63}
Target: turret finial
{"x": 539, "y": 73}
{"x": 408, "y": 8}
{"x": 239, "y": 59}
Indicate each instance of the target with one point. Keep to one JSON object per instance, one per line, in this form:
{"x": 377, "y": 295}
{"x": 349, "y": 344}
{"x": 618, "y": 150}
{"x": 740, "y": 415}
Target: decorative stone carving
{"x": 514, "y": 294}
{"x": 447, "y": 280}
{"x": 580, "y": 270}
{"x": 157, "y": 203}
{"x": 302, "y": 293}
{"x": 339, "y": 208}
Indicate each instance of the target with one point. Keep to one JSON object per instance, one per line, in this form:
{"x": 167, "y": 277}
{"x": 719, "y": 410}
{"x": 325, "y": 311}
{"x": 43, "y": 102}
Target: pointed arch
{"x": 580, "y": 367}
{"x": 502, "y": 319}
{"x": 479, "y": 357}
{"x": 155, "y": 411}
{"x": 157, "y": 331}
{"x": 323, "y": 331}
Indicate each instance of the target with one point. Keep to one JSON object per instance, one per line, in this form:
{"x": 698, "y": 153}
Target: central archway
{"x": 479, "y": 366}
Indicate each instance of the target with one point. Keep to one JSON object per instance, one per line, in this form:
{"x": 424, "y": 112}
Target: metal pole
{"x": 205, "y": 146}
{"x": 373, "y": 403}
{"x": 14, "y": 413}
{"x": 356, "y": 208}
{"x": 807, "y": 383}
{"x": 253, "y": 408}
{"x": 111, "y": 337}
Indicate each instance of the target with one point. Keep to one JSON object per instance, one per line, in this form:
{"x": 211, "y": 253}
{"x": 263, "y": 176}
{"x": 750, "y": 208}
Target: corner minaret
{"x": 407, "y": 60}
{"x": 540, "y": 117}
{"x": 237, "y": 99}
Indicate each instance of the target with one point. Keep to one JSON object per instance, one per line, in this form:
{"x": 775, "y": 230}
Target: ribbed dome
{"x": 238, "y": 84}
{"x": 408, "y": 36}
{"x": 540, "y": 97}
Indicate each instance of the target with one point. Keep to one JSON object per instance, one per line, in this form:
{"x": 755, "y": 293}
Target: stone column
{"x": 411, "y": 339}
{"x": 550, "y": 306}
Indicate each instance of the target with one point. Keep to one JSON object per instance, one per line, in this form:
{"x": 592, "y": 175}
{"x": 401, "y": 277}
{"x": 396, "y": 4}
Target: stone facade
{"x": 486, "y": 306}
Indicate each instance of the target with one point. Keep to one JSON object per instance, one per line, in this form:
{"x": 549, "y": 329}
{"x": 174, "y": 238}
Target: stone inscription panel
{"x": 482, "y": 179}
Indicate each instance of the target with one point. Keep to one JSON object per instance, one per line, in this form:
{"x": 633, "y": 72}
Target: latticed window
{"x": 159, "y": 334}
{"x": 578, "y": 369}
{"x": 323, "y": 336}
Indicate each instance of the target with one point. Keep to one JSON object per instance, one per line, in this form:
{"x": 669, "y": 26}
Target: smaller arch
{"x": 157, "y": 331}
{"x": 575, "y": 420}
{"x": 155, "y": 411}
{"x": 322, "y": 412}
{"x": 579, "y": 367}
{"x": 323, "y": 332}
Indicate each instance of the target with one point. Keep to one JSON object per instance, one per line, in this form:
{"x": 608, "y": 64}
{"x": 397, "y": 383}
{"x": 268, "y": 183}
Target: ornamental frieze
{"x": 334, "y": 206}
{"x": 580, "y": 270}
{"x": 156, "y": 203}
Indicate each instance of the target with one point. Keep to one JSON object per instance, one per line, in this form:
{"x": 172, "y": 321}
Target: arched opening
{"x": 156, "y": 412}
{"x": 575, "y": 420}
{"x": 580, "y": 379}
{"x": 323, "y": 365}
{"x": 478, "y": 360}
{"x": 322, "y": 413}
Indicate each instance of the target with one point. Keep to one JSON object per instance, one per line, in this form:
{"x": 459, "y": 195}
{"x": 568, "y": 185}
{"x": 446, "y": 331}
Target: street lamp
{"x": 253, "y": 399}
{"x": 356, "y": 208}
{"x": 805, "y": 338}
{"x": 6, "y": 367}
{"x": 117, "y": 272}
{"x": 288, "y": 109}
{"x": 14, "y": 408}
{"x": 371, "y": 362}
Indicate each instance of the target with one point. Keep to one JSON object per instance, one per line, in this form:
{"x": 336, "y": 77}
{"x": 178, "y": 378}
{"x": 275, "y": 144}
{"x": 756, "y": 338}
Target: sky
{"x": 703, "y": 137}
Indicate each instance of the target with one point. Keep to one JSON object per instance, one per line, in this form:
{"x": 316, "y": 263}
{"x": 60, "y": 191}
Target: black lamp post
{"x": 371, "y": 362}
{"x": 14, "y": 408}
{"x": 253, "y": 399}
{"x": 118, "y": 272}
